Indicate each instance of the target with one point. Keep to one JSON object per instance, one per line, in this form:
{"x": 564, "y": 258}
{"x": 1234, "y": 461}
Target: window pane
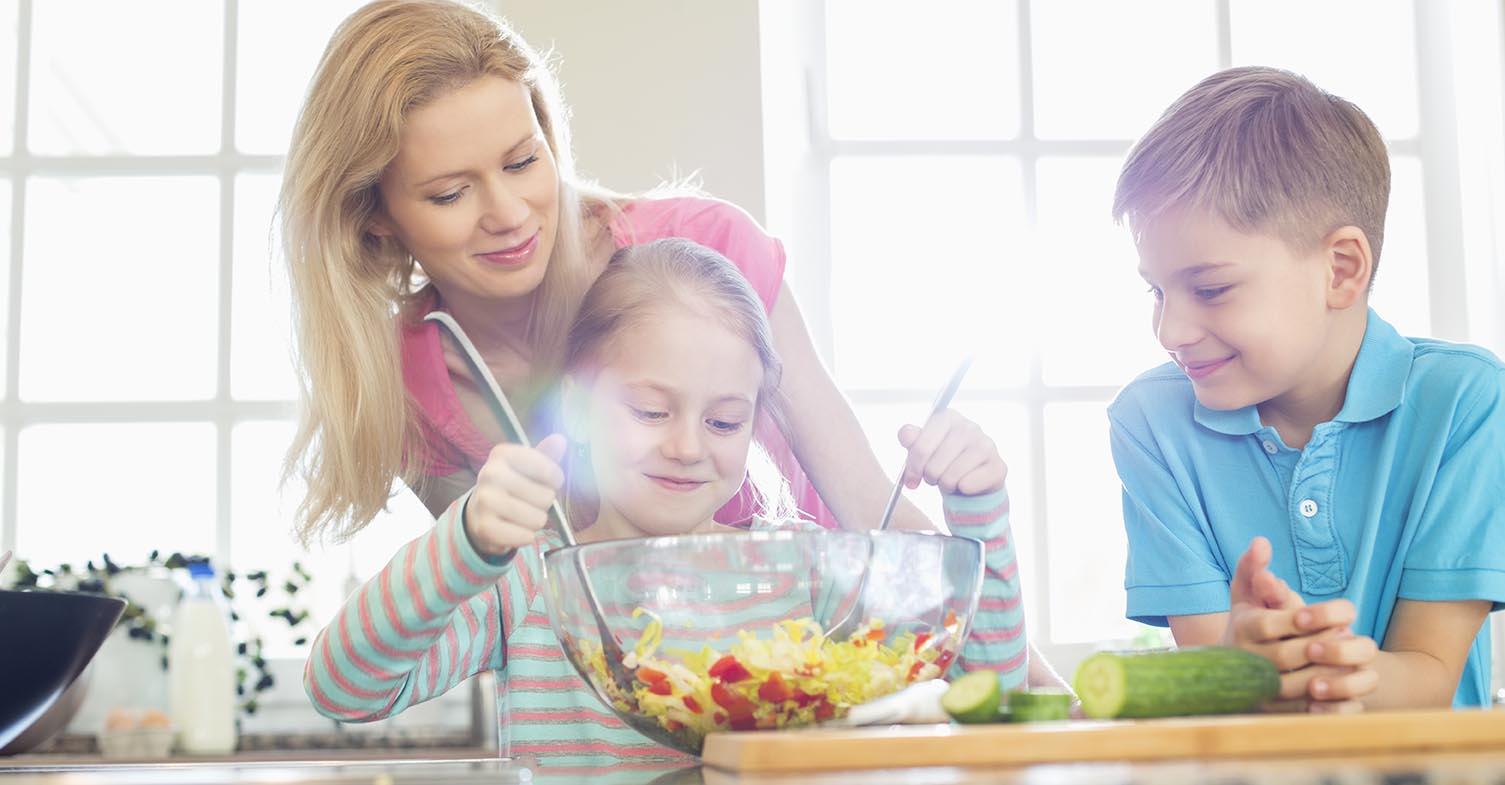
{"x": 121, "y": 289}
{"x": 261, "y": 514}
{"x": 1377, "y": 72}
{"x": 5, "y": 262}
{"x": 1111, "y": 78}
{"x": 261, "y": 527}
{"x": 9, "y": 16}
{"x": 909, "y": 300}
{"x": 1090, "y": 267}
{"x": 4, "y": 491}
{"x": 1401, "y": 287}
{"x": 150, "y": 486}
{"x": 949, "y": 70}
{"x": 880, "y": 423}
{"x": 1007, "y": 424}
{"x": 279, "y": 44}
{"x": 1085, "y": 527}
{"x": 261, "y": 531}
{"x": 260, "y": 332}
{"x": 136, "y": 78}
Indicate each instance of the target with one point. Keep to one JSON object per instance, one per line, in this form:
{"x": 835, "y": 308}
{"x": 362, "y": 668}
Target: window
{"x": 144, "y": 323}
{"x": 973, "y": 145}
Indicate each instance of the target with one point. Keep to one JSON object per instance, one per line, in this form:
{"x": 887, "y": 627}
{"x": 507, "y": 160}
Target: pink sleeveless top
{"x": 451, "y": 440}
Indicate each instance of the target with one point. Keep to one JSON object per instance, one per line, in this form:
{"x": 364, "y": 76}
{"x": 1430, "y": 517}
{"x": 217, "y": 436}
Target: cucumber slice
{"x": 973, "y": 698}
{"x": 1041, "y": 706}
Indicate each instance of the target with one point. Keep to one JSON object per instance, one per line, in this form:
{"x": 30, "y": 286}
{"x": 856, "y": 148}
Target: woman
{"x": 431, "y": 169}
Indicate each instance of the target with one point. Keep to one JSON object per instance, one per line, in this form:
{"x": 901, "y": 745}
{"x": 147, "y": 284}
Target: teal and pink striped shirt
{"x": 439, "y": 613}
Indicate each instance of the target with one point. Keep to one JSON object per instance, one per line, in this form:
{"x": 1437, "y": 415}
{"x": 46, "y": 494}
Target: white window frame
{"x": 222, "y": 411}
{"x": 1463, "y": 245}
{"x": 284, "y": 708}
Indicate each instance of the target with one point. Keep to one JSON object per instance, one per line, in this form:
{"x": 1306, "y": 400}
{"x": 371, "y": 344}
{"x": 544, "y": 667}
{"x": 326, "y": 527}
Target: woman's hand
{"x": 514, "y": 489}
{"x": 952, "y": 453}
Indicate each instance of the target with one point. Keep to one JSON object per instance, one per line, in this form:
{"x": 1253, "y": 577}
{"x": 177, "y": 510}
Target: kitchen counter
{"x": 1481, "y": 768}
{"x": 54, "y": 761}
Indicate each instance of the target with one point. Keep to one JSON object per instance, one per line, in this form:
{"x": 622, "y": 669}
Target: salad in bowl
{"x": 733, "y": 632}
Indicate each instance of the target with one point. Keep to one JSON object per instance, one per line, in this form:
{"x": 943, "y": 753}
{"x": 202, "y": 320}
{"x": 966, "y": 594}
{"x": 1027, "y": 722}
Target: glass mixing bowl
{"x": 729, "y": 632}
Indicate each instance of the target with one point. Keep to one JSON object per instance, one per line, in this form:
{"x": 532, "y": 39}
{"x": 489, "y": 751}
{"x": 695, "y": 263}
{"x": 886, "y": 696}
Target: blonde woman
{"x": 430, "y": 169}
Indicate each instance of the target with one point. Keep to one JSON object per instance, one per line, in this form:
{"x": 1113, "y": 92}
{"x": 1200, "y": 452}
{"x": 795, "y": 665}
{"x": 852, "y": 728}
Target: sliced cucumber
{"x": 973, "y": 698}
{"x": 1040, "y": 706}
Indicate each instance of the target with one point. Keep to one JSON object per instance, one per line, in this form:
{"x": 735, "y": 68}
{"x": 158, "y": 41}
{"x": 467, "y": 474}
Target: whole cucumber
{"x": 1169, "y": 683}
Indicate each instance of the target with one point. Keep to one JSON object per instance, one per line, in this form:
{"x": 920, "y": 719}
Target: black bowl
{"x": 49, "y": 639}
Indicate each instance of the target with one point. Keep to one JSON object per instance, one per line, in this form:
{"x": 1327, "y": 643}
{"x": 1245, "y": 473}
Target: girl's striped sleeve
{"x": 429, "y": 620}
{"x": 997, "y": 639}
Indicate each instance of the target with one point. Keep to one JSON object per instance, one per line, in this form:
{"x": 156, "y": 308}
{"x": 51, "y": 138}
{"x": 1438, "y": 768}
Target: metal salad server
{"x": 843, "y": 629}
{"x": 942, "y": 400}
{"x": 513, "y": 429}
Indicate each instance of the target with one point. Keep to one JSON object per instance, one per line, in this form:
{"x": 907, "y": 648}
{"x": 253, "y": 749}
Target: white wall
{"x": 659, "y": 89}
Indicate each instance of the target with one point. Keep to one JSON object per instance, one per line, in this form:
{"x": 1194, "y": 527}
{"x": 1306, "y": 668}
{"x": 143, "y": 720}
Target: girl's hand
{"x": 953, "y": 454}
{"x": 514, "y": 489}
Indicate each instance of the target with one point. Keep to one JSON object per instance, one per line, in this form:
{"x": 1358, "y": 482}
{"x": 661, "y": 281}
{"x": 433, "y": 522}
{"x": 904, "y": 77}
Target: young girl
{"x": 669, "y": 367}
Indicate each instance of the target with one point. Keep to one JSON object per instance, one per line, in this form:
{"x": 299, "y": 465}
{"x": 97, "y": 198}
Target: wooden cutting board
{"x": 1123, "y": 740}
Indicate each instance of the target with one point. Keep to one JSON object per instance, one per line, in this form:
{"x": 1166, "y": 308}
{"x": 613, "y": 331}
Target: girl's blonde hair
{"x": 643, "y": 281}
{"x": 352, "y": 289}
{"x": 1266, "y": 151}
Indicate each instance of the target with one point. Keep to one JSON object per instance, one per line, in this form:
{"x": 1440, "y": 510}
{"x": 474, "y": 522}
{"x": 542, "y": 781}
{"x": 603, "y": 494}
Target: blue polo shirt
{"x": 1402, "y": 495}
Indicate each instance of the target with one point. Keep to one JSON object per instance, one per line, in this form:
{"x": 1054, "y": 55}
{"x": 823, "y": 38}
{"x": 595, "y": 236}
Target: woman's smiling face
{"x": 473, "y": 193}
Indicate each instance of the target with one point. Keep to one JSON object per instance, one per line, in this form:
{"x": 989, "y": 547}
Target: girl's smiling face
{"x": 668, "y": 418}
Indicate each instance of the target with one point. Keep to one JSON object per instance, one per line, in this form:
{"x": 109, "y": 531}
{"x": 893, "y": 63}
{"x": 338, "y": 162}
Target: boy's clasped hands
{"x": 1324, "y": 666}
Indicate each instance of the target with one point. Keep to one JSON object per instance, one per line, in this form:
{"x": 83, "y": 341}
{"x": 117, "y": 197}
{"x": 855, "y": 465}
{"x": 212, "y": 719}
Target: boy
{"x": 1367, "y": 469}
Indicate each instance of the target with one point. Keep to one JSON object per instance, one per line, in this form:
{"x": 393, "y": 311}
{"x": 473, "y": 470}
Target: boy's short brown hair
{"x": 1267, "y": 151}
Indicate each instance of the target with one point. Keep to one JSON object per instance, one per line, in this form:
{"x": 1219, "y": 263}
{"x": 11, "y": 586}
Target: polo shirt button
{"x": 1270, "y": 447}
{"x": 1308, "y": 508}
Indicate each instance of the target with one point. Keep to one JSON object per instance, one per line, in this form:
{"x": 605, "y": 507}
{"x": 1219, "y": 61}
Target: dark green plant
{"x": 141, "y": 625}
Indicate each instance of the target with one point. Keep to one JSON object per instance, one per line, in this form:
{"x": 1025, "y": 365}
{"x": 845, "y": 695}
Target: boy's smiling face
{"x": 1245, "y": 316}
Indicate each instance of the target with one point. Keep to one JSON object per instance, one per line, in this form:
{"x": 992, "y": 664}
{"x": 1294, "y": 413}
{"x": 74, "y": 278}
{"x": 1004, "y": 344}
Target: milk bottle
{"x": 201, "y": 669}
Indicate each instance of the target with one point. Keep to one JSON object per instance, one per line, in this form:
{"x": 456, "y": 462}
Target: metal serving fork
{"x": 513, "y": 429}
{"x": 843, "y": 628}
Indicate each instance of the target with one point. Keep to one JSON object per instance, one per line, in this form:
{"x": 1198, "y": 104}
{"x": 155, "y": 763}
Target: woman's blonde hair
{"x": 351, "y": 288}
{"x": 1266, "y": 151}
{"x": 644, "y": 281}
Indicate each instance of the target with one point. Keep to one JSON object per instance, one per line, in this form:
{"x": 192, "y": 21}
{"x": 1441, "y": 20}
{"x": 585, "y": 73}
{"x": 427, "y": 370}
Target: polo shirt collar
{"x": 1378, "y": 382}
{"x": 1375, "y": 387}
{"x": 1233, "y": 422}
